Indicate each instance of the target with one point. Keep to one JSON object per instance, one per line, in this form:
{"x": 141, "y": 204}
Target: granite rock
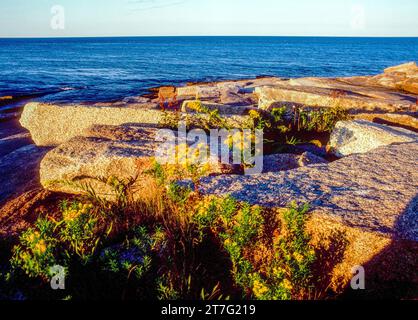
{"x": 360, "y": 136}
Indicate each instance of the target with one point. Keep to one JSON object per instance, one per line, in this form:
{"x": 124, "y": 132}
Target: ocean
{"x": 73, "y": 70}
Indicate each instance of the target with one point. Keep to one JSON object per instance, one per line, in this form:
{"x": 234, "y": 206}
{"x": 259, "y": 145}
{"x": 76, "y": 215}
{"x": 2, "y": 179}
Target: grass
{"x": 292, "y": 126}
{"x": 168, "y": 243}
{"x": 204, "y": 118}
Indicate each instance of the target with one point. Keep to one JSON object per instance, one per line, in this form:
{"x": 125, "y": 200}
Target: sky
{"x": 87, "y": 18}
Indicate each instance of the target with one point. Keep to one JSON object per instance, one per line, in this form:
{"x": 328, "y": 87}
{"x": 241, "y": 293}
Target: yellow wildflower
{"x": 33, "y": 236}
{"x": 279, "y": 271}
{"x": 254, "y": 114}
{"x": 25, "y": 256}
{"x": 298, "y": 257}
{"x": 287, "y": 284}
{"x": 40, "y": 247}
{"x": 259, "y": 289}
{"x": 86, "y": 208}
{"x": 71, "y": 215}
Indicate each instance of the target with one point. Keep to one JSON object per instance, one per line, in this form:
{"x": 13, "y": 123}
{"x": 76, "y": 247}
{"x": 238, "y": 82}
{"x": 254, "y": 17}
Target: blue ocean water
{"x": 108, "y": 69}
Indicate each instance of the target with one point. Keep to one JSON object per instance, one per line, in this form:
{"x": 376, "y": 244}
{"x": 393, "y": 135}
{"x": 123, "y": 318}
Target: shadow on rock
{"x": 392, "y": 274}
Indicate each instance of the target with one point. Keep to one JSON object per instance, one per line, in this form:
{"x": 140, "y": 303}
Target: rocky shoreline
{"x": 369, "y": 192}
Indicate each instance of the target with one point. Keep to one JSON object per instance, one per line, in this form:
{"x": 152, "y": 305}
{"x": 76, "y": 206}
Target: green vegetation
{"x": 292, "y": 126}
{"x": 299, "y": 119}
{"x": 205, "y": 118}
{"x": 167, "y": 241}
{"x": 164, "y": 242}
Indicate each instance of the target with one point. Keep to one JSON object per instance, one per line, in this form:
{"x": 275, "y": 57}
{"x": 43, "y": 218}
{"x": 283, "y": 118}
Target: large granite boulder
{"x": 328, "y": 93}
{"x": 400, "y": 78}
{"x": 51, "y": 125}
{"x": 369, "y": 190}
{"x": 403, "y": 77}
{"x": 360, "y": 136}
{"x": 104, "y": 152}
{"x": 409, "y": 68}
{"x": 392, "y": 91}
{"x": 371, "y": 198}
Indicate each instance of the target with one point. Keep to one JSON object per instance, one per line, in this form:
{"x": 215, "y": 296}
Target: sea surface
{"x": 109, "y": 69}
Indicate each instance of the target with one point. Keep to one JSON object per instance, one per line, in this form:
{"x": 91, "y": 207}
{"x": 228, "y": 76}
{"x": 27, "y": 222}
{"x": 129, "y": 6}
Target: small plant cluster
{"x": 322, "y": 120}
{"x": 167, "y": 242}
{"x": 52, "y": 242}
{"x": 299, "y": 119}
{"x": 272, "y": 260}
{"x": 204, "y": 118}
{"x": 213, "y": 119}
{"x": 275, "y": 121}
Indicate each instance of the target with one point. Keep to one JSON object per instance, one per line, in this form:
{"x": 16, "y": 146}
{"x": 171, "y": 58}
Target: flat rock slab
{"x": 105, "y": 151}
{"x": 403, "y": 77}
{"x": 393, "y": 91}
{"x": 20, "y": 170}
{"x": 235, "y": 93}
{"x": 375, "y": 192}
{"x": 317, "y": 92}
{"x": 51, "y": 125}
{"x": 124, "y": 152}
{"x": 289, "y": 161}
{"x": 360, "y": 136}
{"x": 405, "y": 121}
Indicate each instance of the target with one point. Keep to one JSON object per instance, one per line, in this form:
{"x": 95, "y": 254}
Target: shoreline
{"x": 323, "y": 147}
{"x": 13, "y": 100}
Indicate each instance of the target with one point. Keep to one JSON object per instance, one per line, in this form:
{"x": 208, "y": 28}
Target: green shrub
{"x": 291, "y": 270}
{"x": 38, "y": 250}
{"x": 77, "y": 229}
{"x": 285, "y": 272}
{"x": 171, "y": 243}
{"x": 131, "y": 258}
{"x": 322, "y": 120}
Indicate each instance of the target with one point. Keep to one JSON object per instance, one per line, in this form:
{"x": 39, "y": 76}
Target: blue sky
{"x": 32, "y": 18}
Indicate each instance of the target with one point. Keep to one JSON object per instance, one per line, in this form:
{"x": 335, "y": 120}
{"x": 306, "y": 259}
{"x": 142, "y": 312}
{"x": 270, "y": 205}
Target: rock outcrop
{"x": 237, "y": 93}
{"x": 370, "y": 198}
{"x": 370, "y": 191}
{"x": 392, "y": 119}
{"x": 20, "y": 170}
{"x": 401, "y": 78}
{"x": 316, "y": 92}
{"x": 358, "y": 94}
{"x": 350, "y": 137}
{"x": 105, "y": 151}
{"x": 51, "y": 125}
{"x": 289, "y": 161}
{"x": 124, "y": 152}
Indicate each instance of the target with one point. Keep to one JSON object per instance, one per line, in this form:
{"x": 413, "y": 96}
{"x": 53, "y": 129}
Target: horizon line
{"x": 204, "y": 36}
